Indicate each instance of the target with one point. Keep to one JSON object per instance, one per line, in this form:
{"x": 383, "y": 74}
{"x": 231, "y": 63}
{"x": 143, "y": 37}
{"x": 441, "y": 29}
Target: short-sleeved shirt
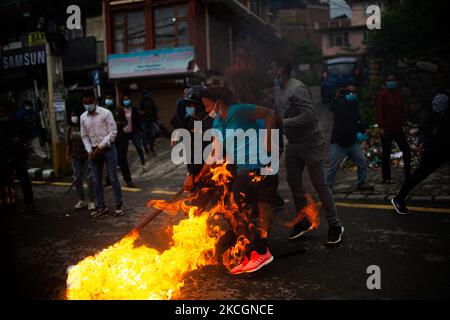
{"x": 241, "y": 116}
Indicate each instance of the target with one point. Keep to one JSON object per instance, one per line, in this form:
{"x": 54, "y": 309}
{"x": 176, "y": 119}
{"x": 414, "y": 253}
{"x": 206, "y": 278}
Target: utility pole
{"x": 56, "y": 106}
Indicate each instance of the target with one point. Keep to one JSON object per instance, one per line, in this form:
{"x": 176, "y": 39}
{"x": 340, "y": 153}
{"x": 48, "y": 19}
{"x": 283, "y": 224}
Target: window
{"x": 171, "y": 26}
{"x": 339, "y": 39}
{"x": 129, "y": 32}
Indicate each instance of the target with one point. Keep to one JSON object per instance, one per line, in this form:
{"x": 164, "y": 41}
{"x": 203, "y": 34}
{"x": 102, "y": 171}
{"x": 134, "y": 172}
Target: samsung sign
{"x": 22, "y": 58}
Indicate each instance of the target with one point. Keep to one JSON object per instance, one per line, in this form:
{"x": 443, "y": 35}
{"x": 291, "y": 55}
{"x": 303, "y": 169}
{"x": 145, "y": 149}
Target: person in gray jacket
{"x": 305, "y": 148}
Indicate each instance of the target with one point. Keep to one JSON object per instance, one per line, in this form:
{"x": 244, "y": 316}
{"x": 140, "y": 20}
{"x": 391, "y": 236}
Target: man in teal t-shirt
{"x": 230, "y": 116}
{"x": 241, "y": 117}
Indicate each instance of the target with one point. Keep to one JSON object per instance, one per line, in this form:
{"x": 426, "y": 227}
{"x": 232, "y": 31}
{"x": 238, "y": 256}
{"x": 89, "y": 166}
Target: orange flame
{"x": 127, "y": 271}
{"x": 309, "y": 212}
{"x": 124, "y": 271}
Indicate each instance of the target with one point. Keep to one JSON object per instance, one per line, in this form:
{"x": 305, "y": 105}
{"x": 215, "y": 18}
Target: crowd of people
{"x": 100, "y": 131}
{"x": 291, "y": 110}
{"x": 98, "y": 138}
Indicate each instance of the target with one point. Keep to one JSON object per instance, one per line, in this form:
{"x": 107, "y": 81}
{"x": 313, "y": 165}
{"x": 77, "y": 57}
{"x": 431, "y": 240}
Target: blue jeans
{"x": 110, "y": 159}
{"x": 81, "y": 168}
{"x": 337, "y": 156}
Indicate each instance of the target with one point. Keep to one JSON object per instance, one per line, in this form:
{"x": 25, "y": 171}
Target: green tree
{"x": 410, "y": 28}
{"x": 307, "y": 52}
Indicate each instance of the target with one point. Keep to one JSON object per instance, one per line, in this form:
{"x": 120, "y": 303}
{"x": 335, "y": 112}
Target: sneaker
{"x": 119, "y": 210}
{"x": 98, "y": 212}
{"x": 400, "y": 206}
{"x": 335, "y": 234}
{"x": 80, "y": 204}
{"x": 91, "y": 205}
{"x": 238, "y": 268}
{"x": 300, "y": 229}
{"x": 257, "y": 261}
{"x": 364, "y": 186}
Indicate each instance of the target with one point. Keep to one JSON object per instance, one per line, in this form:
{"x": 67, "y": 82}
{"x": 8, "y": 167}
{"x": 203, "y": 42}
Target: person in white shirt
{"x": 98, "y": 132}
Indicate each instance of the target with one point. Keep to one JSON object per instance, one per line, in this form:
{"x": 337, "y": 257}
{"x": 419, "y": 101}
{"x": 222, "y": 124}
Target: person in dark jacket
{"x": 15, "y": 153}
{"x": 391, "y": 117}
{"x": 344, "y": 142}
{"x": 129, "y": 126}
{"x": 122, "y": 156}
{"x": 148, "y": 112}
{"x": 76, "y": 153}
{"x": 190, "y": 108}
{"x": 28, "y": 120}
{"x": 436, "y": 150}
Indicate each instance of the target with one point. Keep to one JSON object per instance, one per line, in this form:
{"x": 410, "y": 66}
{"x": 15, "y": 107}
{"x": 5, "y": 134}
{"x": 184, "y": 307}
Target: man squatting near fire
{"x": 230, "y": 116}
{"x": 305, "y": 148}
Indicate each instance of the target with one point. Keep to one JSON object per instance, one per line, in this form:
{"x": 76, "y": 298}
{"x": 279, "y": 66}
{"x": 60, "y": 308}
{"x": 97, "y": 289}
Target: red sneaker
{"x": 238, "y": 268}
{"x": 257, "y": 261}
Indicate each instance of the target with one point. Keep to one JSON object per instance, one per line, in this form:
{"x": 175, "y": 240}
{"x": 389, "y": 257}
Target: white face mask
{"x": 74, "y": 119}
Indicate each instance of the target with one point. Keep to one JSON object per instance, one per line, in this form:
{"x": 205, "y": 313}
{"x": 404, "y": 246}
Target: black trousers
{"x": 249, "y": 188}
{"x": 432, "y": 159}
{"x": 386, "y": 144}
{"x": 136, "y": 139}
{"x": 122, "y": 158}
{"x": 21, "y": 172}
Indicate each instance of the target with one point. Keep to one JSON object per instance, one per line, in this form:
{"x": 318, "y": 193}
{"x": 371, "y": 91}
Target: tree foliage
{"x": 411, "y": 28}
{"x": 307, "y": 52}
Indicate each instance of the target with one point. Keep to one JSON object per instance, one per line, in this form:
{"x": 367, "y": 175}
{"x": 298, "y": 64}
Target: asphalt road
{"x": 412, "y": 252}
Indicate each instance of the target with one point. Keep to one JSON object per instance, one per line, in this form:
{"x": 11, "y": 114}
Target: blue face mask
{"x": 391, "y": 84}
{"x": 89, "y": 107}
{"x": 127, "y": 103}
{"x": 190, "y": 111}
{"x": 350, "y": 97}
{"x": 108, "y": 102}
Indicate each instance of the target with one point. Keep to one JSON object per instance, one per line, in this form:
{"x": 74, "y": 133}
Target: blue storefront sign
{"x": 169, "y": 61}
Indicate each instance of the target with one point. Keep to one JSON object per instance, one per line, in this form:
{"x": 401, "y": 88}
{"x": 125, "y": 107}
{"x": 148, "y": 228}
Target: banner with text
{"x": 151, "y": 63}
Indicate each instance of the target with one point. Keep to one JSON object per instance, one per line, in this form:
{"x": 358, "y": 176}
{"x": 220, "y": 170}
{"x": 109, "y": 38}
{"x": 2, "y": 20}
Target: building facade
{"x": 347, "y": 35}
{"x": 156, "y": 44}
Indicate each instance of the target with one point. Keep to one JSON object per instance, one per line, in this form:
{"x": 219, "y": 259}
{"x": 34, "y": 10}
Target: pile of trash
{"x": 371, "y": 146}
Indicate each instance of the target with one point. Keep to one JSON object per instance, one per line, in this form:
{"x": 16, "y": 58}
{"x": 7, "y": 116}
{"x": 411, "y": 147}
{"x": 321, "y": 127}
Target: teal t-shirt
{"x": 242, "y": 116}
